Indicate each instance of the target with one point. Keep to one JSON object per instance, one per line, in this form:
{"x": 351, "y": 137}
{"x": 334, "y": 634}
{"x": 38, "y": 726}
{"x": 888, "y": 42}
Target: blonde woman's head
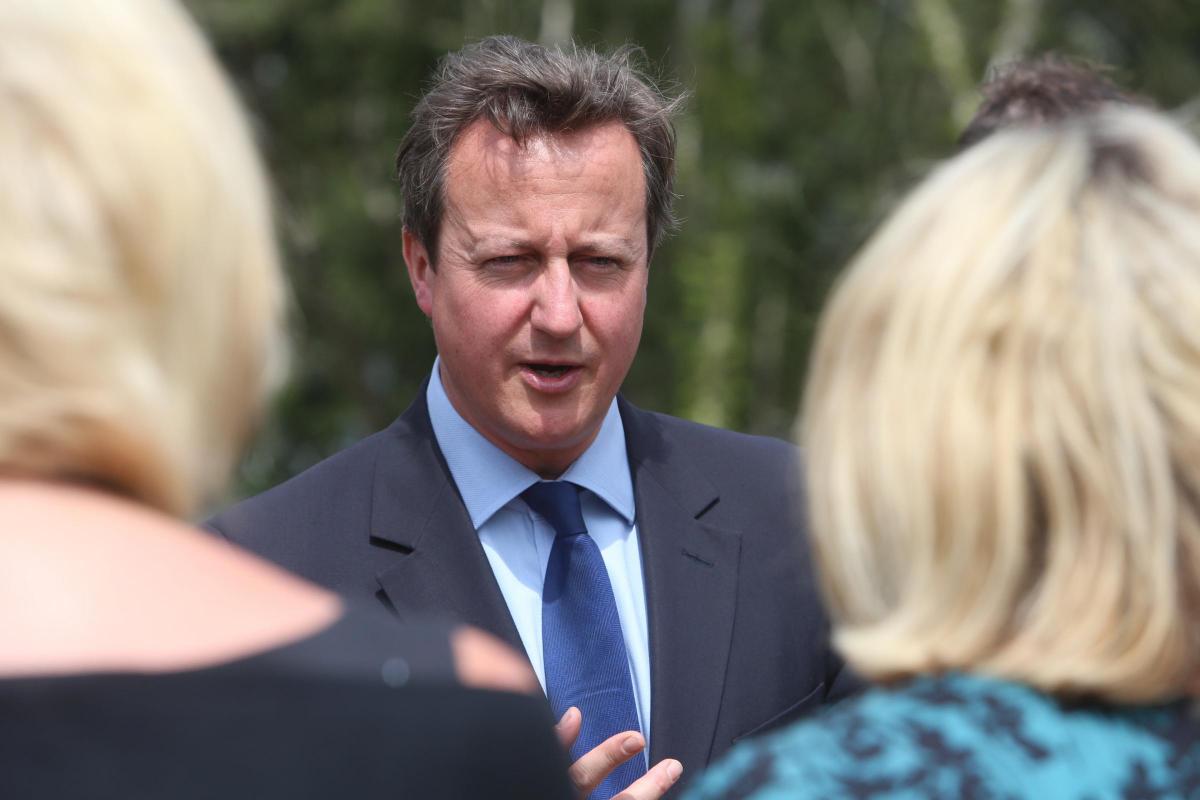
{"x": 1003, "y": 417}
{"x": 140, "y": 292}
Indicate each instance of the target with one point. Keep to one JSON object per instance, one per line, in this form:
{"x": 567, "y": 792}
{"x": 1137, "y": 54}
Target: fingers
{"x": 594, "y": 766}
{"x": 568, "y": 727}
{"x": 653, "y": 784}
{"x": 483, "y": 661}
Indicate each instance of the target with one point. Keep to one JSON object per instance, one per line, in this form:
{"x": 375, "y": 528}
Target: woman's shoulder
{"x": 960, "y": 736}
{"x": 319, "y": 716}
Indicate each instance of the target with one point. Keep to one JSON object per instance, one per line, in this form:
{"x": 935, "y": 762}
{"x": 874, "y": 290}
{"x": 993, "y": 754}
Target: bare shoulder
{"x": 90, "y": 582}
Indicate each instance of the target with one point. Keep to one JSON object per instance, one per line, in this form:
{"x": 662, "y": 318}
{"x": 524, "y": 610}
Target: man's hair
{"x": 1044, "y": 89}
{"x": 141, "y": 314}
{"x": 1003, "y": 417}
{"x": 528, "y": 90}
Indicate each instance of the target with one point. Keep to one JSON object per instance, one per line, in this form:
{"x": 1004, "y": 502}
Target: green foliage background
{"x": 807, "y": 119}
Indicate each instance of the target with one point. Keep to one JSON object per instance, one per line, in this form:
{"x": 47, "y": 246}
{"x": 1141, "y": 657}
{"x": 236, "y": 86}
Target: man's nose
{"x": 556, "y": 301}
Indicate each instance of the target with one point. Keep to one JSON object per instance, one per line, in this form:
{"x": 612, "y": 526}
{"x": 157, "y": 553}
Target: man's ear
{"x": 420, "y": 271}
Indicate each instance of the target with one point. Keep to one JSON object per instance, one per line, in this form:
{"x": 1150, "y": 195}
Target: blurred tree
{"x": 806, "y": 121}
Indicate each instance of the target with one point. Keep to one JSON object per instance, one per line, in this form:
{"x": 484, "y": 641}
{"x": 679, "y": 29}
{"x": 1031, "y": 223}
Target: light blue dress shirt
{"x": 517, "y": 541}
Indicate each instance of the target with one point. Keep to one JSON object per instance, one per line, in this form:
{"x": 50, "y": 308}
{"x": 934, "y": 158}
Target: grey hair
{"x": 525, "y": 89}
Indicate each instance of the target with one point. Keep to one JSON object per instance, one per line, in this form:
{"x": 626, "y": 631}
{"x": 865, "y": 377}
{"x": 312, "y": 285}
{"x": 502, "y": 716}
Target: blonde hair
{"x": 1003, "y": 418}
{"x": 141, "y": 308}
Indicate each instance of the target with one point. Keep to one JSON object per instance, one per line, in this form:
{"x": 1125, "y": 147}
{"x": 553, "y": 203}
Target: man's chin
{"x": 551, "y": 448}
{"x": 554, "y": 440}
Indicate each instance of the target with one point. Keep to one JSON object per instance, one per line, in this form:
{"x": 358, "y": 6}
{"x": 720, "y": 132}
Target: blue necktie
{"x": 583, "y": 649}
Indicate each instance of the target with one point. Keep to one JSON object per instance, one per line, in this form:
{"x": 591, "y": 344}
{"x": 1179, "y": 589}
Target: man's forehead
{"x": 482, "y": 148}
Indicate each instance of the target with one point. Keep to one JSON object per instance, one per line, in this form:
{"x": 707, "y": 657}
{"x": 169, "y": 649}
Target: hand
{"x": 595, "y": 765}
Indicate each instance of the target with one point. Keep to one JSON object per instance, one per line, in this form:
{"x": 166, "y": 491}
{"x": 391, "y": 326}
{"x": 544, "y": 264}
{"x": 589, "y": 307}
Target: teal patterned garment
{"x": 961, "y": 736}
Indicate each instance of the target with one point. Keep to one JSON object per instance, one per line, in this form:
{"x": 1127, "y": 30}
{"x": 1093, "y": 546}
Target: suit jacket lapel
{"x": 690, "y": 568}
{"x": 691, "y": 573}
{"x": 417, "y": 511}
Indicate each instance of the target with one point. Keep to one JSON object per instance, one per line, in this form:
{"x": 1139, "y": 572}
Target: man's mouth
{"x": 551, "y": 370}
{"x": 552, "y": 378}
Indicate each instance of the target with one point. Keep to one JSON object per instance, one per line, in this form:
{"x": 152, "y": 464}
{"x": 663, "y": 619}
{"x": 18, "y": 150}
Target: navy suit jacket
{"x": 738, "y": 639}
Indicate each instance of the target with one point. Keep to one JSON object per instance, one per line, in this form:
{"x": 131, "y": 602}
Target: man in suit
{"x": 650, "y": 568}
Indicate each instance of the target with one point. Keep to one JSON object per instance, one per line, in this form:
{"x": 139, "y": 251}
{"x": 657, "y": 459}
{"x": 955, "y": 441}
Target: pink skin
{"x": 540, "y": 285}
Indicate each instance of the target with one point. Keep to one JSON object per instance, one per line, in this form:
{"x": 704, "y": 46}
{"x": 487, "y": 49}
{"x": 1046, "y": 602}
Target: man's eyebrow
{"x": 618, "y": 244}
{"x": 493, "y": 242}
{"x": 490, "y": 242}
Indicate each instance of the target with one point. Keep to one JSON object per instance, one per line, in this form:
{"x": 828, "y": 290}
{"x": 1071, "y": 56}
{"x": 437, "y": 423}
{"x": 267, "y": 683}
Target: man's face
{"x": 540, "y": 285}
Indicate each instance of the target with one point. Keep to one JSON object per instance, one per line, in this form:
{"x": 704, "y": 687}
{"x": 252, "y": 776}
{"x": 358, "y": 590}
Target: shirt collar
{"x": 603, "y": 468}
{"x": 488, "y": 478}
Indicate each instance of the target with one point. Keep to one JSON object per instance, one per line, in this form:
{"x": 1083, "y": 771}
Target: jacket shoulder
{"x": 324, "y": 491}
{"x": 722, "y": 452}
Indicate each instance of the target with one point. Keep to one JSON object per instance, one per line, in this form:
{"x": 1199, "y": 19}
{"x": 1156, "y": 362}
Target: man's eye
{"x": 601, "y": 262}
{"x": 503, "y": 261}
